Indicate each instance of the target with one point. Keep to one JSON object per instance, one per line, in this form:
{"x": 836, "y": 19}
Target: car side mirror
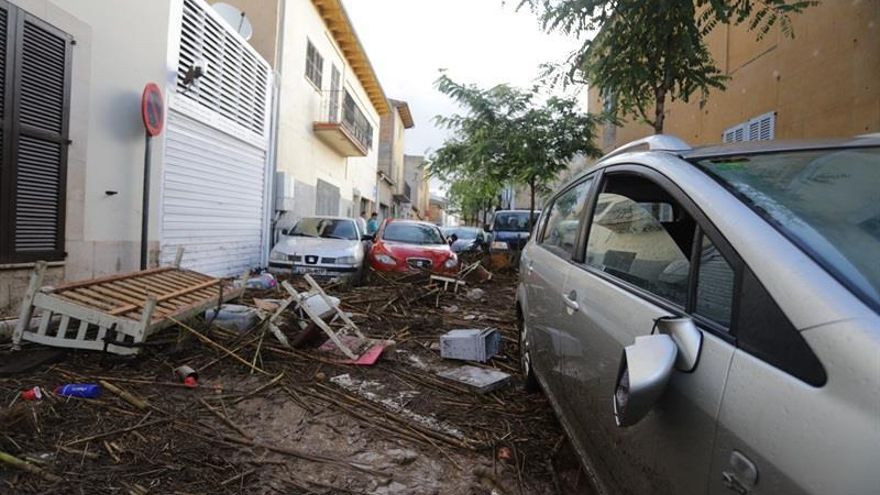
{"x": 687, "y": 338}
{"x": 645, "y": 368}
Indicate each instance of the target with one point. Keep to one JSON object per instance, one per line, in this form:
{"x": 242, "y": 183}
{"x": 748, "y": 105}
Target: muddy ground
{"x": 268, "y": 419}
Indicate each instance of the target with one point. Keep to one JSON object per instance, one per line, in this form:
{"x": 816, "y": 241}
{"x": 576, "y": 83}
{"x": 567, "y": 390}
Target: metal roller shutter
{"x": 212, "y": 198}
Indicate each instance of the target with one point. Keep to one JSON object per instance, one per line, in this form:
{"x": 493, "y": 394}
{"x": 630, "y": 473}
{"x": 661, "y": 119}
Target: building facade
{"x": 72, "y": 169}
{"x": 416, "y": 176}
{"x": 394, "y": 191}
{"x": 824, "y": 82}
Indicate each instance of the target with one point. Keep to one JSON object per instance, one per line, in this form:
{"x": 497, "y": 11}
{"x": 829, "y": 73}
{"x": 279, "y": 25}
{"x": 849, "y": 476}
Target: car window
{"x": 564, "y": 220}
{"x": 412, "y": 233}
{"x": 512, "y": 221}
{"x": 641, "y": 235}
{"x": 715, "y": 279}
{"x": 327, "y": 228}
{"x": 826, "y": 201}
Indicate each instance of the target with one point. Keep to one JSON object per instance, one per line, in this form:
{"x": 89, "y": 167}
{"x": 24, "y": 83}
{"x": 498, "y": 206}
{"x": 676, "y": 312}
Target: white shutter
{"x": 212, "y": 198}
{"x": 760, "y": 128}
{"x": 735, "y": 134}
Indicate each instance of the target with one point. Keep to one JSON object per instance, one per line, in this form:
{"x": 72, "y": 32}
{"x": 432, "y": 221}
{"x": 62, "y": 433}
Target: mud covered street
{"x": 269, "y": 419}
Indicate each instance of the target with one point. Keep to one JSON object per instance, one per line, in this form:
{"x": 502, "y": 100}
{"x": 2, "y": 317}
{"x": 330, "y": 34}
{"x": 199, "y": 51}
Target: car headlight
{"x": 499, "y": 245}
{"x": 451, "y": 262}
{"x": 385, "y": 259}
{"x": 277, "y": 256}
{"x": 346, "y": 260}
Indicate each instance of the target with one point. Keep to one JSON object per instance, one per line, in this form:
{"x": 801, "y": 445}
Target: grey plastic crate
{"x": 472, "y": 344}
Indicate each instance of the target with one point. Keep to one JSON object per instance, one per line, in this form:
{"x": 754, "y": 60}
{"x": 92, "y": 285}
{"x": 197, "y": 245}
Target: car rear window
{"x": 827, "y": 202}
{"x": 512, "y": 221}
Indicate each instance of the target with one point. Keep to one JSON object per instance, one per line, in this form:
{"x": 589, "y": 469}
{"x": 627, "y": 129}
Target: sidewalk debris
{"x": 481, "y": 379}
{"x": 187, "y": 375}
{"x": 80, "y": 390}
{"x": 471, "y": 344}
{"x": 263, "y": 281}
{"x": 32, "y": 394}
{"x": 235, "y": 317}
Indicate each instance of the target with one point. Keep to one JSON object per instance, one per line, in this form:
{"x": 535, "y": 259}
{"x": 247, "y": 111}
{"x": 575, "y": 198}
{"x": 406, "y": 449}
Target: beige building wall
{"x": 825, "y": 82}
{"x": 102, "y": 230}
{"x": 301, "y": 155}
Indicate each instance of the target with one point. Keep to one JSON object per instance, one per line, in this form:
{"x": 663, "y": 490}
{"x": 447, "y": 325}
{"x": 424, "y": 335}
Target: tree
{"x": 510, "y": 136}
{"x": 473, "y": 196}
{"x": 649, "y": 51}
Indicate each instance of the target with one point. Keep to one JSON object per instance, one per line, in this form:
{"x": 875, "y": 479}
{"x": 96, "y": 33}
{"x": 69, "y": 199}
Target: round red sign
{"x": 153, "y": 109}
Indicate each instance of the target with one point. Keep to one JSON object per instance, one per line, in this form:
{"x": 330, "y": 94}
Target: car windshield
{"x": 328, "y": 228}
{"x": 828, "y": 202}
{"x": 513, "y": 221}
{"x": 412, "y": 233}
{"x": 461, "y": 233}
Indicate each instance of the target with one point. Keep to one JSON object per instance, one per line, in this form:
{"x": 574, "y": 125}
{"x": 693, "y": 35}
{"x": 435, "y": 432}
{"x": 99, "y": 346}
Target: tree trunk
{"x": 659, "y": 109}
{"x": 531, "y": 202}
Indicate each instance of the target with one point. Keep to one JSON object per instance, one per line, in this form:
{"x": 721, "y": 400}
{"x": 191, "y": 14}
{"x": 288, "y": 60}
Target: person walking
{"x": 362, "y": 222}
{"x": 373, "y": 224}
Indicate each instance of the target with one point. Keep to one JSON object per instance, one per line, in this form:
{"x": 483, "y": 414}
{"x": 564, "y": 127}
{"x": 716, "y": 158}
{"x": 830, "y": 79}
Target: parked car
{"x": 409, "y": 245}
{"x": 509, "y": 229}
{"x": 466, "y": 239}
{"x": 320, "y": 246}
{"x": 715, "y": 325}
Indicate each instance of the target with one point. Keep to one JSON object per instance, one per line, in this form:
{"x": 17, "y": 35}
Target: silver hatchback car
{"x": 708, "y": 320}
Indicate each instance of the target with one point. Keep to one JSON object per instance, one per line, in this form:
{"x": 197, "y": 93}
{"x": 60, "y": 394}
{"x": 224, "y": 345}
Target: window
{"x": 328, "y": 228}
{"x": 760, "y": 128}
{"x": 236, "y": 84}
{"x": 314, "y": 64}
{"x": 412, "y": 233}
{"x": 565, "y": 219}
{"x": 715, "y": 280}
{"x": 826, "y": 201}
{"x": 34, "y": 111}
{"x": 512, "y": 221}
{"x": 641, "y": 235}
{"x": 334, "y": 94}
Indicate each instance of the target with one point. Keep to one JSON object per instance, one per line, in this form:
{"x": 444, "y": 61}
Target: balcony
{"x": 343, "y": 126}
{"x": 405, "y": 195}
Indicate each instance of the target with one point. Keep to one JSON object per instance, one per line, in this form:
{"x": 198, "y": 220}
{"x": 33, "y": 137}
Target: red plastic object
{"x": 191, "y": 381}
{"x": 32, "y": 394}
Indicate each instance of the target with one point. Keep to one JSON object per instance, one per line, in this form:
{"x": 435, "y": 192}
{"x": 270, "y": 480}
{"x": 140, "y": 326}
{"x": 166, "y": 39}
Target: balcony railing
{"x": 339, "y": 111}
{"x": 404, "y": 194}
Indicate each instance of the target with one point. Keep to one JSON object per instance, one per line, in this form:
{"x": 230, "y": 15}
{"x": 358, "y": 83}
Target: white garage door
{"x": 212, "y": 198}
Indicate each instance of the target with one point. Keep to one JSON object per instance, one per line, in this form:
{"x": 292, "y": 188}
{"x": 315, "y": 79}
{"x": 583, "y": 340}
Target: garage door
{"x": 212, "y": 198}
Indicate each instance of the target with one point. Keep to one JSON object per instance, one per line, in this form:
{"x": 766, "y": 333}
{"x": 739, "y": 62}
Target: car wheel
{"x": 530, "y": 383}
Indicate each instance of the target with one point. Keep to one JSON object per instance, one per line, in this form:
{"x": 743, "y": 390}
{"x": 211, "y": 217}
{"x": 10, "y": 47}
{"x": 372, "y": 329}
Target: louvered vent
{"x": 39, "y": 152}
{"x": 236, "y": 83}
{"x": 4, "y": 16}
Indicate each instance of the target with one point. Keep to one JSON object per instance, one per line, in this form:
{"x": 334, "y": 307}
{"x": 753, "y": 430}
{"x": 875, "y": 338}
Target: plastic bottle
{"x": 32, "y": 394}
{"x": 81, "y": 390}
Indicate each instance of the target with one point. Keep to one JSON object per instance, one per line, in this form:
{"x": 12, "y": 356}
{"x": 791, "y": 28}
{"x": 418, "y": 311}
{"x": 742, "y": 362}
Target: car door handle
{"x": 571, "y": 301}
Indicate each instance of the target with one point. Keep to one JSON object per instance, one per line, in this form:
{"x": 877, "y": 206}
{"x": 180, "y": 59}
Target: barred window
{"x": 314, "y": 64}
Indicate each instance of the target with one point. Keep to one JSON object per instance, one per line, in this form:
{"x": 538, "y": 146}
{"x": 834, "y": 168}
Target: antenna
{"x": 235, "y": 18}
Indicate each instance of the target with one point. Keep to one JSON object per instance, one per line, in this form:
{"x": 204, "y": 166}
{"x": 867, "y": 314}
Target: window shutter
{"x": 39, "y": 140}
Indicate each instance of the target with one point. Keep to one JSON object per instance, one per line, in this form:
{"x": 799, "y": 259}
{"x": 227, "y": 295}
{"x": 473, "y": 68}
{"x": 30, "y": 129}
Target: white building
{"x": 72, "y": 163}
{"x": 330, "y": 103}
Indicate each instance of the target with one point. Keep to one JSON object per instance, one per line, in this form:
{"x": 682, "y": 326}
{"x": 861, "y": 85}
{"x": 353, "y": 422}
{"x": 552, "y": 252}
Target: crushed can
{"x": 32, "y": 394}
{"x": 188, "y": 376}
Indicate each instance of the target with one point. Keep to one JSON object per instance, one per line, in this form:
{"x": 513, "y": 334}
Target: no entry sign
{"x": 153, "y": 109}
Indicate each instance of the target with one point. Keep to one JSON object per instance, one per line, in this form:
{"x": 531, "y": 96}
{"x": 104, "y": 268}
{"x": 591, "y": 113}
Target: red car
{"x": 409, "y": 245}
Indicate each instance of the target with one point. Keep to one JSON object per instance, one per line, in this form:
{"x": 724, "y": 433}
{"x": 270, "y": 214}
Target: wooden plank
{"x": 27, "y": 304}
{"x": 121, "y": 295}
{"x": 111, "y": 278}
{"x": 165, "y": 297}
{"x": 188, "y": 278}
{"x": 78, "y": 344}
{"x": 134, "y": 293}
{"x": 85, "y": 301}
{"x": 176, "y": 283}
{"x": 83, "y": 327}
{"x": 62, "y": 327}
{"x": 45, "y": 318}
{"x": 87, "y": 291}
{"x": 158, "y": 287}
{"x": 84, "y": 313}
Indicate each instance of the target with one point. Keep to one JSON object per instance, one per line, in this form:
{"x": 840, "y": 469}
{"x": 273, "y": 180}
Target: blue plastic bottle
{"x": 81, "y": 390}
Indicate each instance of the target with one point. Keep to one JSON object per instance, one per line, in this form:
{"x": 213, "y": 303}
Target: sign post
{"x": 153, "y": 115}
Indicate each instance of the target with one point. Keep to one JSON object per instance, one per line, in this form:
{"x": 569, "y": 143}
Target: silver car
{"x": 321, "y": 246}
{"x": 708, "y": 320}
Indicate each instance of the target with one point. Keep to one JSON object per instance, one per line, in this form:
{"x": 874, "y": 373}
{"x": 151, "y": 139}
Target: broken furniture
{"x": 482, "y": 380}
{"x": 471, "y": 344}
{"x": 116, "y": 313}
{"x": 317, "y": 305}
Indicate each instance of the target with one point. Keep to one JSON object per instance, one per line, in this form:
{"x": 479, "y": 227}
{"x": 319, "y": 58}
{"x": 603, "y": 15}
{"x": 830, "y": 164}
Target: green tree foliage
{"x": 648, "y": 51}
{"x": 509, "y": 136}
